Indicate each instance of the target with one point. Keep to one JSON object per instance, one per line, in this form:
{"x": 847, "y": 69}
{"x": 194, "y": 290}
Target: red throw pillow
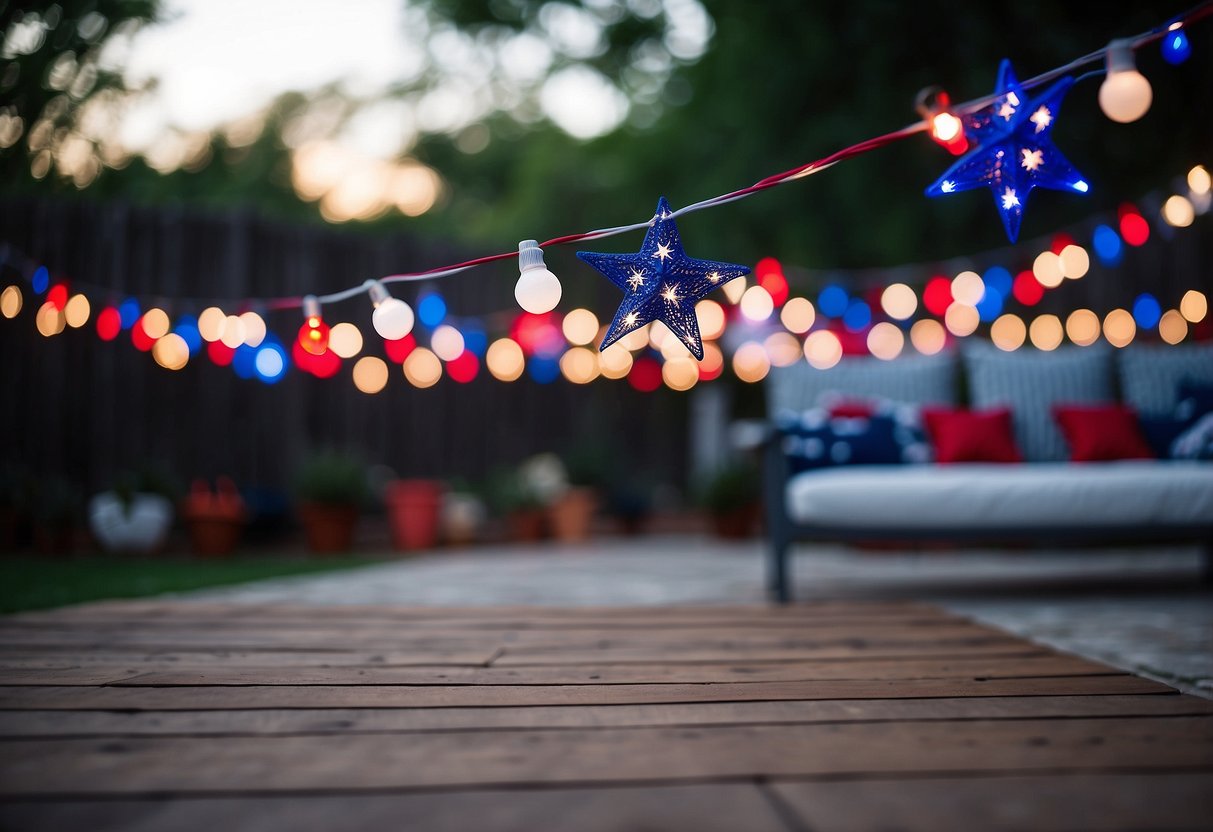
{"x": 971, "y": 435}
{"x": 1099, "y": 433}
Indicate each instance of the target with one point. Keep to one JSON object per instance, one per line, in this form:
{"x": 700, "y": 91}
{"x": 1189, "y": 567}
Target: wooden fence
{"x": 86, "y": 409}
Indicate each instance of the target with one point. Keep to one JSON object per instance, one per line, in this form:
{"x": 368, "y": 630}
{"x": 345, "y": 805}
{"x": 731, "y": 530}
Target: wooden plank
{"x": 181, "y": 607}
{"x": 406, "y": 696}
{"x": 50, "y": 659}
{"x": 168, "y": 766}
{"x": 1000, "y": 668}
{"x": 715, "y": 807}
{"x": 371, "y": 720}
{"x": 1052, "y": 803}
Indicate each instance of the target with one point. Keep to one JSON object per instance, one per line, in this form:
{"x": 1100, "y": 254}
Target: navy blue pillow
{"x": 1161, "y": 432}
{"x": 1195, "y": 400}
{"x": 813, "y": 440}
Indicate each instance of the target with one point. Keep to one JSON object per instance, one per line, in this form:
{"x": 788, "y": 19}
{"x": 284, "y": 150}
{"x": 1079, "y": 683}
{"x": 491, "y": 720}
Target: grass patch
{"x": 31, "y": 583}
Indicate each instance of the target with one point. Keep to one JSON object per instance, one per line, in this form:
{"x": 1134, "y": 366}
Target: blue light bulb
{"x": 1175, "y": 47}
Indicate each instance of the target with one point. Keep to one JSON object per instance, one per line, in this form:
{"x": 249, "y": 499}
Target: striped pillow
{"x": 1150, "y": 374}
{"x": 1031, "y": 383}
{"x": 915, "y": 379}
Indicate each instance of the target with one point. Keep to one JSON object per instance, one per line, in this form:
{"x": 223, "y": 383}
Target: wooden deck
{"x": 173, "y": 716}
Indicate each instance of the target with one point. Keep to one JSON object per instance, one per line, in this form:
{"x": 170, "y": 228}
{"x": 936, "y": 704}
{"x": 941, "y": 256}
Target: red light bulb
{"x": 314, "y": 335}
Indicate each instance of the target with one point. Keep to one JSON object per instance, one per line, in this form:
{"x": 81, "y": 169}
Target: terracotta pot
{"x": 414, "y": 508}
{"x": 572, "y": 514}
{"x": 329, "y": 528}
{"x": 215, "y": 536}
{"x": 526, "y": 525}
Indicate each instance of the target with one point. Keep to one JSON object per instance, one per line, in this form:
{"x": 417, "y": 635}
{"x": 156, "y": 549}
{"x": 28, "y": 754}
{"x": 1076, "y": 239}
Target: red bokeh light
{"x": 399, "y": 350}
{"x": 464, "y": 368}
{"x": 57, "y": 296}
{"x": 645, "y": 375}
{"x": 109, "y": 324}
{"x": 220, "y": 353}
{"x": 538, "y": 334}
{"x": 324, "y": 365}
{"x": 1133, "y": 227}
{"x": 1027, "y": 289}
{"x": 937, "y": 296}
{"x": 1060, "y": 241}
{"x": 710, "y": 373}
{"x": 139, "y": 337}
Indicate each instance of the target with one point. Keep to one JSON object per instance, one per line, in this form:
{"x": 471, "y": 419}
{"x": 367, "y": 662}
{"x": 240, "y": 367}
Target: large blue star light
{"x": 1014, "y": 152}
{"x": 660, "y": 283}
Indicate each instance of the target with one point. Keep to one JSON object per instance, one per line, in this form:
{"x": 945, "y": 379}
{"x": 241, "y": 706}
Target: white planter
{"x": 141, "y": 528}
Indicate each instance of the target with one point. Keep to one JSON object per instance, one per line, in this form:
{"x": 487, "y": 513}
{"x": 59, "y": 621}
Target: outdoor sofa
{"x": 811, "y": 495}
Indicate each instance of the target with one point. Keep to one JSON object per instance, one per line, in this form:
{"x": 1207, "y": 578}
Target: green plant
{"x": 732, "y": 487}
{"x": 149, "y": 478}
{"x": 507, "y": 492}
{"x": 331, "y": 478}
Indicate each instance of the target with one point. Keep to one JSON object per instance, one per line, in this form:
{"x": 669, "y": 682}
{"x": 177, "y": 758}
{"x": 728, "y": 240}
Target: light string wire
{"x": 802, "y": 171}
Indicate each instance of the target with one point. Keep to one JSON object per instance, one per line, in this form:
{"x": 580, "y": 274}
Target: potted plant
{"x": 331, "y": 488}
{"x": 572, "y": 512}
{"x": 215, "y": 519}
{"x": 731, "y": 499}
{"x": 513, "y": 498}
{"x": 463, "y": 515}
{"x": 134, "y": 516}
{"x": 414, "y": 508}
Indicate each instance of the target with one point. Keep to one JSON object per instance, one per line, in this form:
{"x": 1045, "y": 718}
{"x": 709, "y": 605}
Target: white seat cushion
{"x": 1130, "y": 493}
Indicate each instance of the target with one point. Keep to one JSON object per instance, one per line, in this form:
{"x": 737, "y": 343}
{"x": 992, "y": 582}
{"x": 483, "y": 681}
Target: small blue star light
{"x": 660, "y": 283}
{"x": 1014, "y": 152}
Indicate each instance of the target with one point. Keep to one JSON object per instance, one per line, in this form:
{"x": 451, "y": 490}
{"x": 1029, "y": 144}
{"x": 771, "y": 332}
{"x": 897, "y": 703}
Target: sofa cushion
{"x": 1031, "y": 383}
{"x": 1102, "y": 433}
{"x": 815, "y": 439}
{"x": 1125, "y": 494}
{"x": 1150, "y": 375}
{"x": 1160, "y": 433}
{"x": 917, "y": 379}
{"x": 971, "y": 435}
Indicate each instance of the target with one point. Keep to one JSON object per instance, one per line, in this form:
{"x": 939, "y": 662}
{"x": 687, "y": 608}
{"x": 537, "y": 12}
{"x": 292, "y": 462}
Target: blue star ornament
{"x": 660, "y": 283}
{"x": 1014, "y": 151}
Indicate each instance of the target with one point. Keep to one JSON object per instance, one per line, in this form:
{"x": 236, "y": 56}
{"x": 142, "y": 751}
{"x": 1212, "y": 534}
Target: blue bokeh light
{"x": 475, "y": 341}
{"x": 244, "y": 361}
{"x": 998, "y": 279}
{"x": 832, "y": 301}
{"x": 128, "y": 312}
{"x": 41, "y": 280}
{"x": 187, "y": 328}
{"x": 1175, "y": 47}
{"x": 1147, "y": 311}
{"x": 543, "y": 370}
{"x": 1108, "y": 246}
{"x": 270, "y": 363}
{"x": 990, "y": 305}
{"x": 857, "y": 315}
{"x": 431, "y": 310}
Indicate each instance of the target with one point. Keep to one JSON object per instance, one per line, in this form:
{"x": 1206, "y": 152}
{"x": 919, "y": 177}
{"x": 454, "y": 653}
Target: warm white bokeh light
{"x": 1178, "y": 211}
{"x": 1074, "y": 262}
{"x": 1082, "y": 327}
{"x": 928, "y": 336}
{"x": 751, "y": 363}
{"x": 505, "y": 360}
{"x": 1046, "y": 332}
{"x": 798, "y": 315}
{"x": 580, "y": 327}
{"x": 345, "y": 340}
{"x": 447, "y": 342}
{"x": 967, "y": 288}
{"x": 710, "y": 316}
{"x": 1008, "y": 332}
{"x": 370, "y": 374}
{"x": 1172, "y": 327}
{"x": 1119, "y": 327}
{"x": 822, "y": 349}
{"x": 1194, "y": 306}
{"x": 756, "y": 304}
{"x": 1047, "y": 268}
{"x": 961, "y": 319}
{"x": 886, "y": 341}
{"x": 899, "y": 301}
{"x": 422, "y": 368}
{"x": 579, "y": 365}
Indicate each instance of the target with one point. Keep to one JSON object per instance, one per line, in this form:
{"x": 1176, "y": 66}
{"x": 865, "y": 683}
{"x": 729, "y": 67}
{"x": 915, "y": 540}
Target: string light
{"x": 10, "y": 301}
{"x": 1125, "y": 94}
{"x": 580, "y": 327}
{"x": 751, "y": 363}
{"x": 1194, "y": 306}
{"x": 899, "y": 301}
{"x": 76, "y": 311}
{"x": 928, "y": 336}
{"x": 1172, "y": 328}
{"x": 1178, "y": 211}
{"x": 314, "y": 334}
{"x": 822, "y": 349}
{"x": 537, "y": 290}
{"x": 393, "y": 318}
{"x": 1175, "y": 46}
{"x": 155, "y": 323}
{"x": 1046, "y": 332}
{"x": 798, "y": 315}
{"x": 422, "y": 368}
{"x": 886, "y": 341}
{"x": 447, "y": 342}
{"x": 506, "y": 361}
{"x": 756, "y": 304}
{"x": 211, "y": 323}
{"x": 233, "y": 332}
{"x": 946, "y": 129}
{"x": 1082, "y": 327}
{"x": 1008, "y": 333}
{"x": 1119, "y": 328}
{"x": 254, "y": 328}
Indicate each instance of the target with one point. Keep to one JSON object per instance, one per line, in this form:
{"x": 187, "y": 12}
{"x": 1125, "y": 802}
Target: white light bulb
{"x": 1125, "y": 94}
{"x": 537, "y": 290}
{"x": 392, "y": 319}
